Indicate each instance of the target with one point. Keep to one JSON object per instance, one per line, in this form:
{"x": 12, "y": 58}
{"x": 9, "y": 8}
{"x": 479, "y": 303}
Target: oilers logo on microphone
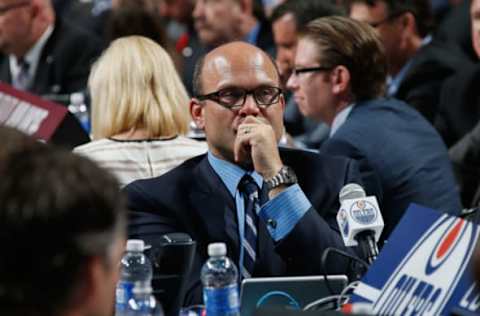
{"x": 363, "y": 212}
{"x": 425, "y": 279}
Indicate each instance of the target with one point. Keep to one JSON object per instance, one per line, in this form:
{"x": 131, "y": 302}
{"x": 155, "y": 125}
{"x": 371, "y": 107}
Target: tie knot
{"x": 23, "y": 64}
{"x": 247, "y": 185}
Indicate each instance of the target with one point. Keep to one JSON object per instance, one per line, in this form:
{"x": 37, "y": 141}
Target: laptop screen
{"x": 290, "y": 292}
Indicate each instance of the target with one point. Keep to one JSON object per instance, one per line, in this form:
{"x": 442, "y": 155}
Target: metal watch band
{"x": 286, "y": 175}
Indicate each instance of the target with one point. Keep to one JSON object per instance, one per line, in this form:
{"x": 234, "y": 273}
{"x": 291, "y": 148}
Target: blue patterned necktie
{"x": 249, "y": 189}
{"x": 23, "y": 76}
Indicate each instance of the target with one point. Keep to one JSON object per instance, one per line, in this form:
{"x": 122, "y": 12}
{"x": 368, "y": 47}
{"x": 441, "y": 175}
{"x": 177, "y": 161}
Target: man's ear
{"x": 197, "y": 113}
{"x": 409, "y": 24}
{"x": 340, "y": 80}
{"x": 86, "y": 290}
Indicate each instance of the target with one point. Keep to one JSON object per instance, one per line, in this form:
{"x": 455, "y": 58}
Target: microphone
{"x": 360, "y": 220}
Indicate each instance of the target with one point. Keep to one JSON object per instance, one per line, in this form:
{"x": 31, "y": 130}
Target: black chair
{"x": 172, "y": 258}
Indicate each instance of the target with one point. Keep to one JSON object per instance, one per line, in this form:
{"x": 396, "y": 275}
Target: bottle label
{"x": 221, "y": 301}
{"x": 123, "y": 293}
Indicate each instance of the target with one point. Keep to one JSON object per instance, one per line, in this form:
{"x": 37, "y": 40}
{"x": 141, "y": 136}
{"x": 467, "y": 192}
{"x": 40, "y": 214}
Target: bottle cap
{"x": 217, "y": 249}
{"x": 77, "y": 98}
{"x": 135, "y": 245}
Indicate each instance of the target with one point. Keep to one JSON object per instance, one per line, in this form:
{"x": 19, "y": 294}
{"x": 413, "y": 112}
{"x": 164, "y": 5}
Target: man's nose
{"x": 292, "y": 82}
{"x": 250, "y": 107}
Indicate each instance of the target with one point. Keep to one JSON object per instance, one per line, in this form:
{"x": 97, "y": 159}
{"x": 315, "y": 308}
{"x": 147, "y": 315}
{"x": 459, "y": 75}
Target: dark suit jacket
{"x": 265, "y": 38}
{"x": 431, "y": 65}
{"x": 459, "y": 107}
{"x": 455, "y": 30}
{"x": 193, "y": 199}
{"x": 399, "y": 152}
{"x": 465, "y": 156}
{"x": 65, "y": 61}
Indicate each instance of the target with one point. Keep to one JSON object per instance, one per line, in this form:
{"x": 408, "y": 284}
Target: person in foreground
{"x": 339, "y": 78}
{"x": 281, "y": 226}
{"x": 62, "y": 220}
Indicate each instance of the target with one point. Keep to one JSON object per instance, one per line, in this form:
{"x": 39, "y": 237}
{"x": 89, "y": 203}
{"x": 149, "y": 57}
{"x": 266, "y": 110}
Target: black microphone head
{"x": 351, "y": 191}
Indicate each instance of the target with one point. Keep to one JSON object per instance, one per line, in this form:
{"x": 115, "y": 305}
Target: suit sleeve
{"x": 302, "y": 247}
{"x": 143, "y": 221}
{"x": 146, "y": 223}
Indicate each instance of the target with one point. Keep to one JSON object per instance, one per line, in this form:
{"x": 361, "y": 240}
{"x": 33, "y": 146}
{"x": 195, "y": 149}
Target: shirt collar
{"x": 32, "y": 57}
{"x": 340, "y": 118}
{"x": 253, "y": 34}
{"x": 231, "y": 174}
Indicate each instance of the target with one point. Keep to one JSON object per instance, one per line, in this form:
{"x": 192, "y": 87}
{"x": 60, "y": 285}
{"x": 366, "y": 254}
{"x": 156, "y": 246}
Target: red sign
{"x": 29, "y": 113}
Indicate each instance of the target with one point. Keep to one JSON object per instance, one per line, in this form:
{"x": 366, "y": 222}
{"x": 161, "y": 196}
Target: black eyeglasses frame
{"x": 215, "y": 97}
{"x": 297, "y": 71}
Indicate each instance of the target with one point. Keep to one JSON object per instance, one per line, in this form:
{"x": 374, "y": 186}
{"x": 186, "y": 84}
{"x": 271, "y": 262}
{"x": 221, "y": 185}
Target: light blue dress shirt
{"x": 285, "y": 210}
{"x": 252, "y": 36}
{"x": 340, "y": 118}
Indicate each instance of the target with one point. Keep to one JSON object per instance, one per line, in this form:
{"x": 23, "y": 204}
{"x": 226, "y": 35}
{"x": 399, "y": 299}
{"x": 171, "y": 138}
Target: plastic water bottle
{"x": 143, "y": 303}
{"x": 136, "y": 270}
{"x": 219, "y": 277}
{"x": 78, "y": 108}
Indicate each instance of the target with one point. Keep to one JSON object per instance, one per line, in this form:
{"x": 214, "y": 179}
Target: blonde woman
{"x": 139, "y": 111}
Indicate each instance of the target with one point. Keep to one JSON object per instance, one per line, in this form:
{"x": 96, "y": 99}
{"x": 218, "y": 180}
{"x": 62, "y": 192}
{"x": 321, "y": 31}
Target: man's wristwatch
{"x": 285, "y": 176}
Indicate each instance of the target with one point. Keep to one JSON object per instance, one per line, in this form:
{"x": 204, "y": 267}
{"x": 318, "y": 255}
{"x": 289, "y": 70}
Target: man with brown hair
{"x": 65, "y": 221}
{"x": 339, "y": 78}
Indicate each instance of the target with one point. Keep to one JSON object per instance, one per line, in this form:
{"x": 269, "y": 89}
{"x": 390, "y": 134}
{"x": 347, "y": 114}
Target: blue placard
{"x": 424, "y": 268}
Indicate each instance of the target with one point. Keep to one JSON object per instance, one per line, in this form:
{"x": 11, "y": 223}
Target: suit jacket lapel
{"x": 215, "y": 206}
{"x": 44, "y": 74}
{"x": 5, "y": 75}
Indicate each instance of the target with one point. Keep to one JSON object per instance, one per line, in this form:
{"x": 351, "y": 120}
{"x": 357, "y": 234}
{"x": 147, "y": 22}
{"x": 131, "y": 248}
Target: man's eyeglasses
{"x": 234, "y": 98}
{"x": 4, "y": 9}
{"x": 387, "y": 19}
{"x": 298, "y": 71}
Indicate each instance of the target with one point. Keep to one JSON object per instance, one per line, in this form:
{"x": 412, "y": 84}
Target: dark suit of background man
{"x": 41, "y": 53}
{"x": 417, "y": 63}
{"x": 65, "y": 239}
{"x": 200, "y": 197}
{"x": 340, "y": 77}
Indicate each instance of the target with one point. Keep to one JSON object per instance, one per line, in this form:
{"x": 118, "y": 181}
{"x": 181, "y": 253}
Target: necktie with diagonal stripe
{"x": 23, "y": 77}
{"x": 249, "y": 189}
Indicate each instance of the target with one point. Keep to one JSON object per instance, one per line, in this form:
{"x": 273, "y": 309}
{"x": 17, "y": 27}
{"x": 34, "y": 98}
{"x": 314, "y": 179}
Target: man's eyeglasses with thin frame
{"x": 234, "y": 98}
{"x": 4, "y": 9}
{"x": 298, "y": 71}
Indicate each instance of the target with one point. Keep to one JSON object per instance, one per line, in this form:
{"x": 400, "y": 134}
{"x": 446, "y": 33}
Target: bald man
{"x": 284, "y": 224}
{"x": 41, "y": 53}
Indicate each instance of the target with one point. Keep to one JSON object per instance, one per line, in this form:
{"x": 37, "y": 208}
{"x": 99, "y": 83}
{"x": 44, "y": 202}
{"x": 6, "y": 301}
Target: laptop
{"x": 289, "y": 292}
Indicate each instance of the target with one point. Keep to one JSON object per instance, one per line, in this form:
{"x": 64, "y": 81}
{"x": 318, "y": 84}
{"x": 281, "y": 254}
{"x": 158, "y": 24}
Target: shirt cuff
{"x": 283, "y": 212}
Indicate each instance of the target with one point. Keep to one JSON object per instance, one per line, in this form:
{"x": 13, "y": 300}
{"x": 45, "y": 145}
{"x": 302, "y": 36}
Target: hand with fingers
{"x": 256, "y": 142}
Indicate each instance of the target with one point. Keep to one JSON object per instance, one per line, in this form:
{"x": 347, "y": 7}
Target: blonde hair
{"x": 134, "y": 85}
